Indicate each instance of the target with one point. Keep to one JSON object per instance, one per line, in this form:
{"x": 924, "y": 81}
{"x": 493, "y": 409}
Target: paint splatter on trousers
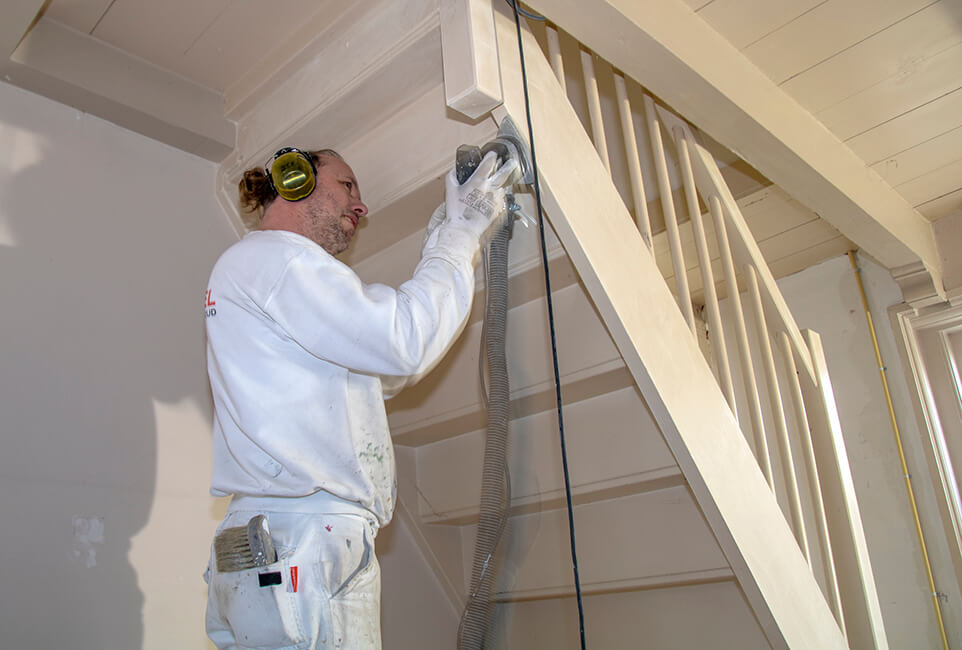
{"x": 322, "y": 593}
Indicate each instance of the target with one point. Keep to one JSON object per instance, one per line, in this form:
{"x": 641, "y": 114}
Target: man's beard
{"x": 328, "y": 234}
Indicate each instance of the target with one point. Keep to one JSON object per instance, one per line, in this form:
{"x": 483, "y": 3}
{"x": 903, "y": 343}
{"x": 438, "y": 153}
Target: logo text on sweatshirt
{"x": 209, "y": 309}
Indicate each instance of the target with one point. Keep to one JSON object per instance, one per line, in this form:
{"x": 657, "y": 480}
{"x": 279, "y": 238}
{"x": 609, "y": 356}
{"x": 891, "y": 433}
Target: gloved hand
{"x": 479, "y": 203}
{"x": 470, "y": 211}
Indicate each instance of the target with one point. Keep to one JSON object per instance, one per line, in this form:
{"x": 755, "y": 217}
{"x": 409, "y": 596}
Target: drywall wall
{"x": 106, "y": 241}
{"x": 825, "y": 298}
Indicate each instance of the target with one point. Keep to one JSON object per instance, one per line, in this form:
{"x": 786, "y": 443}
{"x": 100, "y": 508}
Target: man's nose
{"x": 359, "y": 208}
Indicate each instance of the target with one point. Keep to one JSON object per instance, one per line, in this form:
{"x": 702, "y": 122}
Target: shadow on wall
{"x": 99, "y": 321}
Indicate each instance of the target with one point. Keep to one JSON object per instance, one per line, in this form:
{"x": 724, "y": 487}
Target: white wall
{"x": 106, "y": 242}
{"x": 825, "y": 298}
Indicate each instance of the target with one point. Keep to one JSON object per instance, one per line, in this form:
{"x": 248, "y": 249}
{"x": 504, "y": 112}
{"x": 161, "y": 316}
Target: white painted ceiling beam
{"x": 670, "y": 50}
{"x": 81, "y": 71}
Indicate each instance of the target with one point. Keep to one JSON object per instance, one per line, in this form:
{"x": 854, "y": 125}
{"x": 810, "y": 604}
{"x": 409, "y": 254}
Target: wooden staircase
{"x": 682, "y": 542}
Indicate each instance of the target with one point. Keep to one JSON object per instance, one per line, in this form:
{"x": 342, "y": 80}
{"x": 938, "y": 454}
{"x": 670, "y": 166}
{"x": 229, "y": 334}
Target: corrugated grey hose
{"x": 495, "y": 485}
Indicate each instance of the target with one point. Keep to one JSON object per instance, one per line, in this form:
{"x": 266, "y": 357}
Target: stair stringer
{"x": 643, "y": 319}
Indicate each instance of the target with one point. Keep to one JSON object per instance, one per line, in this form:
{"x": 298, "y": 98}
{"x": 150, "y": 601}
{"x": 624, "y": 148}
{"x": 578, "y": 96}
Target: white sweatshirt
{"x": 297, "y": 347}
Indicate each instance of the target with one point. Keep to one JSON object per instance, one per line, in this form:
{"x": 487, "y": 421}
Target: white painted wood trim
{"x": 472, "y": 77}
{"x": 814, "y": 482}
{"x": 863, "y": 614}
{"x": 777, "y": 409}
{"x": 757, "y": 420}
{"x": 554, "y": 55}
{"x": 589, "y": 588}
{"x": 620, "y": 274}
{"x": 708, "y": 281}
{"x": 668, "y": 212}
{"x": 594, "y": 107}
{"x": 711, "y": 183}
{"x": 634, "y": 162}
{"x": 943, "y": 477}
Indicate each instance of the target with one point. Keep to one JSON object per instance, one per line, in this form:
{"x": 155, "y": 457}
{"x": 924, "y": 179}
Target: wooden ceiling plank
{"x": 365, "y": 43}
{"x": 768, "y": 212}
{"x": 825, "y": 31}
{"x": 938, "y": 182}
{"x": 798, "y": 240}
{"x": 910, "y": 128}
{"x": 81, "y": 15}
{"x": 801, "y": 260}
{"x": 225, "y": 55}
{"x": 922, "y": 159}
{"x": 307, "y": 42}
{"x": 743, "y": 22}
{"x": 942, "y": 206}
{"x": 159, "y": 32}
{"x": 18, "y": 17}
{"x": 929, "y": 80}
{"x": 885, "y": 55}
{"x": 692, "y": 68}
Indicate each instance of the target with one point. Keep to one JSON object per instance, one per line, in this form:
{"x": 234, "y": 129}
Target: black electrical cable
{"x": 554, "y": 342}
{"x": 527, "y": 14}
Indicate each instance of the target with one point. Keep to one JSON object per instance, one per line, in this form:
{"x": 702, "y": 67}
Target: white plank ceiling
{"x": 211, "y": 42}
{"x": 885, "y": 76}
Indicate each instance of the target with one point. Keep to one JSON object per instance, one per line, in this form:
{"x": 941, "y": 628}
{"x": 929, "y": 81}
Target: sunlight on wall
{"x": 22, "y": 150}
{"x": 106, "y": 429}
{"x": 170, "y": 553}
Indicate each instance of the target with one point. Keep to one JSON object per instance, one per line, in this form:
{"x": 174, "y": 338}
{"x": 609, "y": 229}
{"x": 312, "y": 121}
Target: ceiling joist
{"x": 81, "y": 71}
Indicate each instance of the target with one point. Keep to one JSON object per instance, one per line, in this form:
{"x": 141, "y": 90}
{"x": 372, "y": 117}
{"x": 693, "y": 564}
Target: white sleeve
{"x": 323, "y": 306}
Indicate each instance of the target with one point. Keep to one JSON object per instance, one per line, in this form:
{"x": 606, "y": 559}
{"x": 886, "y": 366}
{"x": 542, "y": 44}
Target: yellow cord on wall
{"x": 898, "y": 444}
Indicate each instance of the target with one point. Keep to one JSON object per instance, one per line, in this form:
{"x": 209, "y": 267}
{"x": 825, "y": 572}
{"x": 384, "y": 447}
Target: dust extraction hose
{"x": 495, "y": 495}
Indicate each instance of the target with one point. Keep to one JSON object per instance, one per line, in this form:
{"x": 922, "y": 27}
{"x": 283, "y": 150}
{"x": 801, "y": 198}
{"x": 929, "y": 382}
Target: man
{"x": 301, "y": 355}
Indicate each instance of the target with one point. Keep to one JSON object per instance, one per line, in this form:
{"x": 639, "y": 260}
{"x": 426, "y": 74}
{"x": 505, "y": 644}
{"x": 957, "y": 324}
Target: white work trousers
{"x": 323, "y": 592}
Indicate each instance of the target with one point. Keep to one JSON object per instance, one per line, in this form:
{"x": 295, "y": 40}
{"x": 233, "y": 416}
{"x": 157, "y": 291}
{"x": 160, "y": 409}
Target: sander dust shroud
{"x": 495, "y": 480}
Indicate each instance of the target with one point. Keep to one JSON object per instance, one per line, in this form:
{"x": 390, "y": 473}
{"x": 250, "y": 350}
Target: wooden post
{"x": 469, "y": 49}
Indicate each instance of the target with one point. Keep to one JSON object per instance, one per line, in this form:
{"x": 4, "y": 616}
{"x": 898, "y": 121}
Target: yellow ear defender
{"x": 292, "y": 173}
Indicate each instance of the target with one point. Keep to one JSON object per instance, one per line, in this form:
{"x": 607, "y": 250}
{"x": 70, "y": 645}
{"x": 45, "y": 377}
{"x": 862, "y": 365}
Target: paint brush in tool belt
{"x": 245, "y": 547}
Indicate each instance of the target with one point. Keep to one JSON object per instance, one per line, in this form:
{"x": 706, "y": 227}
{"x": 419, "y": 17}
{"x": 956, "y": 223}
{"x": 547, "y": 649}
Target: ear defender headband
{"x": 292, "y": 173}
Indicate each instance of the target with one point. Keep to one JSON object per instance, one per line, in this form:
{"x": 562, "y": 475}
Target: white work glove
{"x": 472, "y": 210}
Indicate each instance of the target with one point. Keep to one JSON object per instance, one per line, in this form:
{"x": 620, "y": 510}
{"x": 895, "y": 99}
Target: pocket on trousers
{"x": 258, "y": 607}
{"x": 346, "y": 559}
